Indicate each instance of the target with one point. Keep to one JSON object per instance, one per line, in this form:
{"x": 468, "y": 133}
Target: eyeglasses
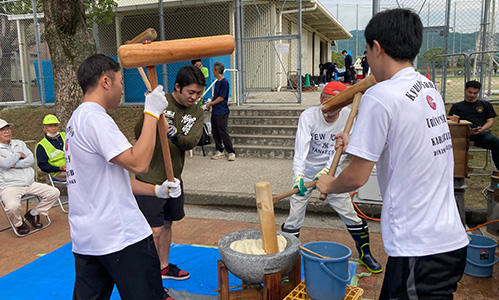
{"x": 5, "y": 128}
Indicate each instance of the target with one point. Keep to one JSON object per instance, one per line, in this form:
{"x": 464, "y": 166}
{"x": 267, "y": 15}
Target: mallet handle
{"x": 348, "y": 127}
{"x": 292, "y": 192}
{"x": 163, "y": 129}
{"x": 148, "y": 34}
{"x": 265, "y": 208}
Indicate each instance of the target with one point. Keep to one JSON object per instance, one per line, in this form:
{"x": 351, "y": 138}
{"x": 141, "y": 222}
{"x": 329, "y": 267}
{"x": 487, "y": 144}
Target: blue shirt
{"x": 221, "y": 90}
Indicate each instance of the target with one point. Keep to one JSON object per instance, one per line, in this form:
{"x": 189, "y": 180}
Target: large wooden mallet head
{"x": 346, "y": 97}
{"x": 164, "y": 52}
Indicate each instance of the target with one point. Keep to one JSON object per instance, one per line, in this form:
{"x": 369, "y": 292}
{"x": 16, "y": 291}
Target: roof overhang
{"x": 316, "y": 17}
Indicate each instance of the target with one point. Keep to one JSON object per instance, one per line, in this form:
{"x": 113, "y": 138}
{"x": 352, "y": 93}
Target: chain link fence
{"x": 19, "y": 56}
{"x": 272, "y": 64}
{"x": 271, "y": 68}
{"x": 466, "y": 31}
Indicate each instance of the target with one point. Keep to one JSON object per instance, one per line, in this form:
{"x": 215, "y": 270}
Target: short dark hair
{"x": 473, "y": 84}
{"x": 219, "y": 67}
{"x": 398, "y": 31}
{"x": 188, "y": 75}
{"x": 194, "y": 61}
{"x": 92, "y": 68}
{"x": 344, "y": 51}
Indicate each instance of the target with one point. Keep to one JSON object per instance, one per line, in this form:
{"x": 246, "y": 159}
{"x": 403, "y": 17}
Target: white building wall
{"x": 317, "y": 56}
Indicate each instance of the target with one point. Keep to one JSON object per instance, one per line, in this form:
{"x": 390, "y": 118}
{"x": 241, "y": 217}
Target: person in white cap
{"x": 50, "y": 150}
{"x": 17, "y": 179}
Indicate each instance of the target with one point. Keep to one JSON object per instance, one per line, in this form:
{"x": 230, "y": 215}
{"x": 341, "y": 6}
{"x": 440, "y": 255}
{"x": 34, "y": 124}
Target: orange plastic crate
{"x": 299, "y": 292}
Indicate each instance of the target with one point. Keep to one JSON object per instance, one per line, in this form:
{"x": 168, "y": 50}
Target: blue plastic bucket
{"x": 480, "y": 256}
{"x": 326, "y": 279}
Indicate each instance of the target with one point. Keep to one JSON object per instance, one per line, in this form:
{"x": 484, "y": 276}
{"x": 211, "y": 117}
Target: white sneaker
{"x": 231, "y": 157}
{"x": 217, "y": 155}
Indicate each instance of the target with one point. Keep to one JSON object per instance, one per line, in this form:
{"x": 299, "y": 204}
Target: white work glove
{"x": 155, "y": 102}
{"x": 168, "y": 189}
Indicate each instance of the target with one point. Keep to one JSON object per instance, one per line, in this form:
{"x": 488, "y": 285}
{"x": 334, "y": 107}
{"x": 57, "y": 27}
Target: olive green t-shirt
{"x": 189, "y": 124}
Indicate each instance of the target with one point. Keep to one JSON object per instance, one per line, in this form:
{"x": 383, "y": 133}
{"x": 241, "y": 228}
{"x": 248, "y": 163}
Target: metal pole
{"x": 243, "y": 56}
{"x": 428, "y": 34}
{"x": 357, "y": 34}
{"x": 238, "y": 50}
{"x": 485, "y": 23}
{"x": 338, "y": 18}
{"x": 375, "y": 7}
{"x": 38, "y": 52}
{"x": 162, "y": 37}
{"x": 446, "y": 47}
{"x": 491, "y": 43}
{"x": 299, "y": 51}
{"x": 454, "y": 29}
{"x": 95, "y": 32}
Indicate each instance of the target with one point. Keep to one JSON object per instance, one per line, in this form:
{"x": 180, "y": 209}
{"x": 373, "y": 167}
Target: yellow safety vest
{"x": 56, "y": 156}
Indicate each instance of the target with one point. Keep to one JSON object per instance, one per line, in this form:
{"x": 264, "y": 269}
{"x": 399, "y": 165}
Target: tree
{"x": 432, "y": 52}
{"x": 70, "y": 42}
{"x": 338, "y": 59}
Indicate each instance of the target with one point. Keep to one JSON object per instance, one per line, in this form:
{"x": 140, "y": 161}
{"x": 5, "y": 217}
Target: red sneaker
{"x": 173, "y": 272}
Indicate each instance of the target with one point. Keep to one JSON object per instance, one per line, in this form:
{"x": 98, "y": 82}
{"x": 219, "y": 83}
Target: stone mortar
{"x": 251, "y": 267}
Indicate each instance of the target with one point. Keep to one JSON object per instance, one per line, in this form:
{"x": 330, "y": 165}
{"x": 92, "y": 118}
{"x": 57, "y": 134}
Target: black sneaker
{"x": 165, "y": 294}
{"x": 23, "y": 229}
{"x": 173, "y": 272}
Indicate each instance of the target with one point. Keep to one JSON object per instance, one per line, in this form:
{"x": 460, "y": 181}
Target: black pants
{"x": 135, "y": 270}
{"x": 429, "y": 277}
{"x": 220, "y": 133}
{"x": 348, "y": 76}
{"x": 329, "y": 73}
{"x": 488, "y": 140}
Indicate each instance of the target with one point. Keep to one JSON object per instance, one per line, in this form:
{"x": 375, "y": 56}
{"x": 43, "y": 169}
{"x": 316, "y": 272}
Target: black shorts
{"x": 135, "y": 270}
{"x": 158, "y": 210}
{"x": 424, "y": 278}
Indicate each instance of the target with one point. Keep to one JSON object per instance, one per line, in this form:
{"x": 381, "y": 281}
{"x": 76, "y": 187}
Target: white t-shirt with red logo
{"x": 402, "y": 127}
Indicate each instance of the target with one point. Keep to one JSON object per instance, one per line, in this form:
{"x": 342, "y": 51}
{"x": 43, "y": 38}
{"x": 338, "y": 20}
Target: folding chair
{"x": 489, "y": 163}
{"x": 53, "y": 182}
{"x": 26, "y": 198}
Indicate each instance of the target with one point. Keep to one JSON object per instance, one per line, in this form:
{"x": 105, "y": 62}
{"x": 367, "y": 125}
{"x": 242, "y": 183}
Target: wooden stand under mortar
{"x": 273, "y": 287}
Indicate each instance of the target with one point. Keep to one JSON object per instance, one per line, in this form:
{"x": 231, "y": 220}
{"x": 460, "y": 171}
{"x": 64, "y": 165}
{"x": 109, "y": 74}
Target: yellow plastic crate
{"x": 299, "y": 292}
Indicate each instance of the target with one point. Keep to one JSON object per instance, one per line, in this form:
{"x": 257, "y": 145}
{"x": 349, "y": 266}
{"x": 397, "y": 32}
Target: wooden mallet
{"x": 157, "y": 53}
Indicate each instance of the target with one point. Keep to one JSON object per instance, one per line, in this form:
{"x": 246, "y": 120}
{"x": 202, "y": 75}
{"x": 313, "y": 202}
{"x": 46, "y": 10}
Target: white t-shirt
{"x": 314, "y": 144}
{"x": 103, "y": 214}
{"x": 402, "y": 127}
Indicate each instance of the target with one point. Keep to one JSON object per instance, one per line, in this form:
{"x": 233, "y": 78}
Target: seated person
{"x": 481, "y": 114}
{"x": 50, "y": 150}
{"x": 17, "y": 179}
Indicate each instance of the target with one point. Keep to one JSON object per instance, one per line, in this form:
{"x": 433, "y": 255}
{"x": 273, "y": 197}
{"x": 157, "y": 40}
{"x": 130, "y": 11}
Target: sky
{"x": 346, "y": 13}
